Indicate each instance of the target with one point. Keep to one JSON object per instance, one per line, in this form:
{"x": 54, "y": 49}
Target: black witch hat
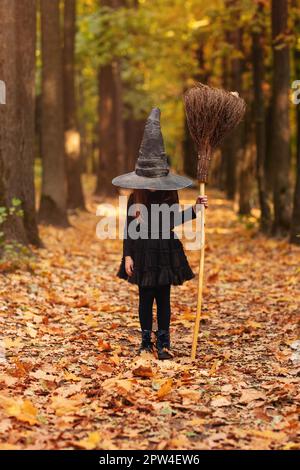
{"x": 152, "y": 169}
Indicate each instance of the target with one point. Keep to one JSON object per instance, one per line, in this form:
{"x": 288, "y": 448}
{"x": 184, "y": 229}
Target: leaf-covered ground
{"x": 69, "y": 375}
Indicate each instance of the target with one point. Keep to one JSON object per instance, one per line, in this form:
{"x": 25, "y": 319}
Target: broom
{"x": 211, "y": 113}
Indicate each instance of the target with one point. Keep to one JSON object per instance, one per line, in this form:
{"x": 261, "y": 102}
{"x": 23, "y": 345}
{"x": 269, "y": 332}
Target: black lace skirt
{"x": 158, "y": 263}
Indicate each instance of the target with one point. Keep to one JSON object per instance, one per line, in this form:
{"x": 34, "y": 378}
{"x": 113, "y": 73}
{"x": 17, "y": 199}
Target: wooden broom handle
{"x": 200, "y": 278}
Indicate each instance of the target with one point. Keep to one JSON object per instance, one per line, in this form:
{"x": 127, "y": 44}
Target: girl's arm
{"x": 190, "y": 213}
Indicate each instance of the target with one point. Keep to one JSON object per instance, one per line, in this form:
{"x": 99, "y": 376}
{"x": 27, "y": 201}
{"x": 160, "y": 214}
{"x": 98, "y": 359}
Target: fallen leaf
{"x": 165, "y": 388}
{"x": 41, "y": 375}
{"x": 23, "y": 410}
{"x": 143, "y": 371}
{"x": 220, "y": 401}
{"x": 250, "y": 395}
{"x": 64, "y": 406}
{"x": 91, "y": 442}
{"x": 103, "y": 345}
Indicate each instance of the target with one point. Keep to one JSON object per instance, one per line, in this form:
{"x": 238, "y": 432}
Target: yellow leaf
{"x": 91, "y": 442}
{"x": 28, "y": 412}
{"x": 12, "y": 343}
{"x": 71, "y": 376}
{"x": 291, "y": 446}
{"x": 272, "y": 435}
{"x": 90, "y": 321}
{"x": 196, "y": 422}
{"x": 64, "y": 406}
{"x": 215, "y": 366}
{"x": 9, "y": 447}
{"x": 23, "y": 410}
{"x": 253, "y": 324}
{"x": 165, "y": 388}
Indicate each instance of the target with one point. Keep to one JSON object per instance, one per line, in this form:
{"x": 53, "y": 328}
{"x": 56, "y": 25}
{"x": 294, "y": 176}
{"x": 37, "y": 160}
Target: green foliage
{"x": 157, "y": 45}
{"x": 14, "y": 210}
{"x": 13, "y": 255}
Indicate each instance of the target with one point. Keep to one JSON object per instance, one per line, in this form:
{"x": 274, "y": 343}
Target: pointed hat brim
{"x": 163, "y": 183}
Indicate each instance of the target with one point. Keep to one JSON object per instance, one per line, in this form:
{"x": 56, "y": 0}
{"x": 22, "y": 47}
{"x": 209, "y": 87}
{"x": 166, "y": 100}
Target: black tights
{"x": 162, "y": 296}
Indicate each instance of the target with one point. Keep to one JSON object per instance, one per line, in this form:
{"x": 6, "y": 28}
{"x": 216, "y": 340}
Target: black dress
{"x": 158, "y": 259}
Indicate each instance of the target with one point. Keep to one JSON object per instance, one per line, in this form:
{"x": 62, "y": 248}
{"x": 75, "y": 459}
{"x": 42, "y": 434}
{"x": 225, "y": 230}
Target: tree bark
{"x": 75, "y": 197}
{"x": 260, "y": 124}
{"x": 280, "y": 120}
{"x": 54, "y": 195}
{"x": 190, "y": 156}
{"x": 134, "y": 130}
{"x": 295, "y": 225}
{"x": 17, "y": 131}
{"x": 235, "y": 140}
{"x": 234, "y": 143}
{"x": 111, "y": 124}
{"x": 240, "y": 161}
{"x": 246, "y": 164}
{"x": 227, "y": 177}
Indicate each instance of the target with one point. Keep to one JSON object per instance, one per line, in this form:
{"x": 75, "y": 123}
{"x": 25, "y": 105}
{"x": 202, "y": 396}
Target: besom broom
{"x": 211, "y": 114}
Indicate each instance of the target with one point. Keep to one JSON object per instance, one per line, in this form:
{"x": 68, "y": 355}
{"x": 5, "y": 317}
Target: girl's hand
{"x": 129, "y": 265}
{"x": 201, "y": 200}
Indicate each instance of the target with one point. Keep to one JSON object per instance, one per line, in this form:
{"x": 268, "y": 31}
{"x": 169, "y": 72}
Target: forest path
{"x": 69, "y": 376}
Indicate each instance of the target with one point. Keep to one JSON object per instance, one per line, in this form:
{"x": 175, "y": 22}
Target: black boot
{"x": 163, "y": 344}
{"x": 146, "y": 344}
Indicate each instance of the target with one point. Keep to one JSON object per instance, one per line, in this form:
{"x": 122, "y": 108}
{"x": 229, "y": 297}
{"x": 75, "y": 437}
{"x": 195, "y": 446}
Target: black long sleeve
{"x": 177, "y": 218}
{"x": 127, "y": 242}
{"x": 180, "y": 217}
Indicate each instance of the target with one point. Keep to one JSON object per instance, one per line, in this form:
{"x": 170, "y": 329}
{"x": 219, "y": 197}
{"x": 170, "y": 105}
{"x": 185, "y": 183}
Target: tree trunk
{"x": 295, "y": 225}
{"x": 17, "y": 131}
{"x": 111, "y": 124}
{"x": 280, "y": 121}
{"x": 260, "y": 124}
{"x": 134, "y": 130}
{"x": 246, "y": 164}
{"x": 240, "y": 140}
{"x": 190, "y": 156}
{"x": 227, "y": 177}
{"x": 233, "y": 145}
{"x": 235, "y": 142}
{"x": 75, "y": 198}
{"x": 54, "y": 194}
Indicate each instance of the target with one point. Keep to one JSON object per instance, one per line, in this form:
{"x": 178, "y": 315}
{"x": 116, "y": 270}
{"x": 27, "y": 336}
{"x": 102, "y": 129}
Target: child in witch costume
{"x": 153, "y": 257}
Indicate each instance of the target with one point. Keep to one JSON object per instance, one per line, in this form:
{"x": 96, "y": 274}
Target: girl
{"x": 153, "y": 256}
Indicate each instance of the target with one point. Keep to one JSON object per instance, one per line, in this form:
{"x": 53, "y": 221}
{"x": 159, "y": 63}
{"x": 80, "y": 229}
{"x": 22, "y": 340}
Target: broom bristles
{"x": 211, "y": 114}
